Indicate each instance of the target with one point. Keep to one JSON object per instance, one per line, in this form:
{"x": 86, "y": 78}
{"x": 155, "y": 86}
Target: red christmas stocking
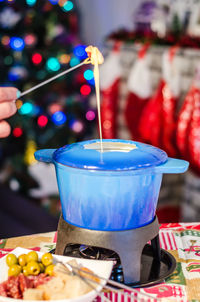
{"x": 194, "y": 129}
{"x": 158, "y": 121}
{"x": 151, "y": 121}
{"x": 110, "y": 74}
{"x": 184, "y": 122}
{"x": 171, "y": 93}
{"x": 139, "y": 86}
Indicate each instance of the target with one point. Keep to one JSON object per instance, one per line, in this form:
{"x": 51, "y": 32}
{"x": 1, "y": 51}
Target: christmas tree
{"x": 39, "y": 39}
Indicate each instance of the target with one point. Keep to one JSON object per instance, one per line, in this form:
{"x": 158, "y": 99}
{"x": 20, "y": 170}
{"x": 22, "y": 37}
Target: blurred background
{"x": 151, "y": 73}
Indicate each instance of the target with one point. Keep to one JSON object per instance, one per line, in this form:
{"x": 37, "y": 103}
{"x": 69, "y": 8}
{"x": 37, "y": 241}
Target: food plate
{"x": 99, "y": 267}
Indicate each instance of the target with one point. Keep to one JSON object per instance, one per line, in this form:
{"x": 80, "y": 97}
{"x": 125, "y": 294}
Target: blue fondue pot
{"x": 113, "y": 190}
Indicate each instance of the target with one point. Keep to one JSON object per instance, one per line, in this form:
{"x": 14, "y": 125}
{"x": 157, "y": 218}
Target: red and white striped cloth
{"x": 167, "y": 240}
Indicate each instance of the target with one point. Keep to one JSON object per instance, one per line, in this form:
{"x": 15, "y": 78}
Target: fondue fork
{"x": 82, "y": 278}
{"x": 86, "y": 61}
{"x": 75, "y": 269}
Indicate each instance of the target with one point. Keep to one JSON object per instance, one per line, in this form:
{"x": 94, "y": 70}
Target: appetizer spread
{"x": 31, "y": 278}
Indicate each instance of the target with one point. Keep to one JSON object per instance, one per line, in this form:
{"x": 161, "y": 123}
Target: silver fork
{"x": 82, "y": 278}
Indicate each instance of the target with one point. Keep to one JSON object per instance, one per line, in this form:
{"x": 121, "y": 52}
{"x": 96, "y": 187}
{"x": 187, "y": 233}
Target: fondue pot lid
{"x": 119, "y": 155}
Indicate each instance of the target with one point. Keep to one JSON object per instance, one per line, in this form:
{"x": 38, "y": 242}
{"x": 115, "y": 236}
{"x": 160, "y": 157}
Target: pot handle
{"x": 45, "y": 155}
{"x": 173, "y": 166}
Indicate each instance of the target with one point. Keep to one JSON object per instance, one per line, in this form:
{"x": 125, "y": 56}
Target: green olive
{"x": 47, "y": 259}
{"x": 33, "y": 268}
{"x": 41, "y": 267}
{"x": 22, "y": 260}
{"x": 25, "y": 270}
{"x": 49, "y": 269}
{"x": 14, "y": 270}
{"x": 11, "y": 259}
{"x": 32, "y": 256}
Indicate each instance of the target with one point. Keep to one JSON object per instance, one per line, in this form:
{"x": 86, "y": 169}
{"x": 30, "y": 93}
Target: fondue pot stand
{"x": 109, "y": 198}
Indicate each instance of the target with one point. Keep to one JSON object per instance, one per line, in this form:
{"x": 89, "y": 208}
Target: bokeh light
{"x": 18, "y": 103}
{"x": 14, "y": 184}
{"x": 26, "y": 108}
{"x": 59, "y": 118}
{"x": 68, "y": 5}
{"x": 17, "y": 43}
{"x": 64, "y": 59}
{"x": 17, "y": 132}
{"x": 31, "y": 2}
{"x": 29, "y": 154}
{"x": 62, "y": 2}
{"x": 88, "y": 74}
{"x": 77, "y": 126}
{"x": 74, "y": 61}
{"x": 36, "y": 58}
{"x": 5, "y": 40}
{"x": 53, "y": 64}
{"x": 85, "y": 90}
{"x": 53, "y": 1}
{"x": 36, "y": 110}
{"x": 54, "y": 107}
{"x": 8, "y": 60}
{"x": 13, "y": 75}
{"x": 30, "y": 39}
{"x": 79, "y": 52}
{"x": 42, "y": 121}
{"x": 90, "y": 115}
{"x": 91, "y": 82}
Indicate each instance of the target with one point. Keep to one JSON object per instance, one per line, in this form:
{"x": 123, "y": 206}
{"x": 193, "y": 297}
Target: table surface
{"x": 182, "y": 240}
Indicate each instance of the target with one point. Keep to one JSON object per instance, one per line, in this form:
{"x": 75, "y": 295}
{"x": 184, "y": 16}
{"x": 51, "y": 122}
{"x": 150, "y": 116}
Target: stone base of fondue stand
{"x": 128, "y": 244}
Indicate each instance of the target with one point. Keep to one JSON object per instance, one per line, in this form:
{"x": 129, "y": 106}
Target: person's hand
{"x": 7, "y": 108}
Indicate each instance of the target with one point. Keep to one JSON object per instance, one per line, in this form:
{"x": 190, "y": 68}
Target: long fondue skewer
{"x": 53, "y": 78}
{"x": 96, "y": 58}
{"x": 96, "y": 76}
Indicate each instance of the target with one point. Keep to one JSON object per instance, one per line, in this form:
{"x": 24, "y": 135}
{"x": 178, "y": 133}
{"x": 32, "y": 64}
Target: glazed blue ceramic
{"x": 116, "y": 189}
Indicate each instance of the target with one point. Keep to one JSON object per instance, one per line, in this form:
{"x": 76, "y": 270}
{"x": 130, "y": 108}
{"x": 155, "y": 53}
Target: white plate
{"x": 100, "y": 267}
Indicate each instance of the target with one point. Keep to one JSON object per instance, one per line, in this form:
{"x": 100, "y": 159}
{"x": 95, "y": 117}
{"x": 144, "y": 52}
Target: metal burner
{"x": 93, "y": 252}
{"x": 154, "y": 263}
{"x": 127, "y": 244}
{"x": 152, "y": 271}
{"x": 90, "y": 252}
